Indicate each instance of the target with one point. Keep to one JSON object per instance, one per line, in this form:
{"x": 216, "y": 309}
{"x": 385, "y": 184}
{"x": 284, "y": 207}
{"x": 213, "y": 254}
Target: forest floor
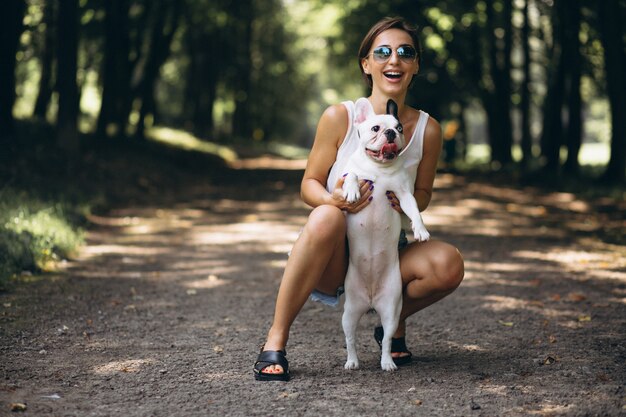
{"x": 163, "y": 311}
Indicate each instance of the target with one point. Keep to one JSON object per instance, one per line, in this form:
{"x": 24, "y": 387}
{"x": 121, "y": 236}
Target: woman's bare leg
{"x": 318, "y": 260}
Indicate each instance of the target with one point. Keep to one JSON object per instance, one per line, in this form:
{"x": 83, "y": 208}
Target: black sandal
{"x": 398, "y": 345}
{"x": 268, "y": 358}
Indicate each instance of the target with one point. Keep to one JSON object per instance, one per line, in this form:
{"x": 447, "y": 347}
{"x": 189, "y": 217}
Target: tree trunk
{"x": 526, "y": 140}
{"x": 10, "y": 30}
{"x": 160, "y": 42}
{"x": 242, "y": 123}
{"x": 116, "y": 75}
{"x": 573, "y": 57}
{"x": 612, "y": 32}
{"x": 203, "y": 75}
{"x": 552, "y": 135}
{"x": 499, "y": 112}
{"x": 46, "y": 81}
{"x": 67, "y": 118}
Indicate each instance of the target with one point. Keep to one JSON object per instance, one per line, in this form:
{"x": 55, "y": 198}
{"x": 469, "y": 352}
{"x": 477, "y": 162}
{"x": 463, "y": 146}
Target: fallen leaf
{"x": 584, "y": 318}
{"x": 18, "y": 407}
{"x": 576, "y": 297}
{"x": 218, "y": 349}
{"x": 7, "y": 305}
{"x": 555, "y": 297}
{"x": 549, "y": 360}
{"x": 506, "y": 323}
{"x": 552, "y": 338}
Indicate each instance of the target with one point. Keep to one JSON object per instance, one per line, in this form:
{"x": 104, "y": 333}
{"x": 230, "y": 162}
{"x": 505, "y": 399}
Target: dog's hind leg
{"x": 388, "y": 306}
{"x": 354, "y": 308}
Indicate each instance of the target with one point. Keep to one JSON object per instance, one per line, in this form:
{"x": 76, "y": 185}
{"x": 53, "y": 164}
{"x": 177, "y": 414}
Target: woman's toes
{"x": 273, "y": 369}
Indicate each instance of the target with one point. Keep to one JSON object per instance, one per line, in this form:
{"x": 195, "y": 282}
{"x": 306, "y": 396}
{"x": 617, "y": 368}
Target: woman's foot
{"x": 275, "y": 359}
{"x": 276, "y": 344}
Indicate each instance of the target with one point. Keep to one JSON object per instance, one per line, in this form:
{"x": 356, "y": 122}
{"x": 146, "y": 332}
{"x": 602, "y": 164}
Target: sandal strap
{"x": 271, "y": 357}
{"x": 398, "y": 344}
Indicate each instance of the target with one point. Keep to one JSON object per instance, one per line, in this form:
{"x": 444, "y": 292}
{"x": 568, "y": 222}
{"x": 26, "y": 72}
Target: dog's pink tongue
{"x": 389, "y": 148}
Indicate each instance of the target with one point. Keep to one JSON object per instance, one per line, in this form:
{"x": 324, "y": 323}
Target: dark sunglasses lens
{"x": 407, "y": 53}
{"x": 382, "y": 54}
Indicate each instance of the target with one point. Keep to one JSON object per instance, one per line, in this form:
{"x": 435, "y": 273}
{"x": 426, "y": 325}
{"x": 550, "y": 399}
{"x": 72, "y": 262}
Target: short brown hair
{"x": 378, "y": 28}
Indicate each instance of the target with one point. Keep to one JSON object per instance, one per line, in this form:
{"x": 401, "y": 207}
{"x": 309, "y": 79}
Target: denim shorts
{"x": 333, "y": 300}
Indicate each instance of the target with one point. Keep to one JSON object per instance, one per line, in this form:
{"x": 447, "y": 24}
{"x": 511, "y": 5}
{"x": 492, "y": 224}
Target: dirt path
{"x": 165, "y": 309}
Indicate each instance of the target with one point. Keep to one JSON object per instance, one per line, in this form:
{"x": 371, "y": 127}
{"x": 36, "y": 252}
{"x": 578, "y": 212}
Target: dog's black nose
{"x": 391, "y": 135}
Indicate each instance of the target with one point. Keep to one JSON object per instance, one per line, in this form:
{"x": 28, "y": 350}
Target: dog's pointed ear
{"x": 362, "y": 109}
{"x": 392, "y": 108}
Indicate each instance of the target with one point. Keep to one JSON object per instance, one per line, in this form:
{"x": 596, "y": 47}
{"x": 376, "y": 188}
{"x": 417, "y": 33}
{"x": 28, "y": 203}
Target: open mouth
{"x": 393, "y": 75}
{"x": 387, "y": 153}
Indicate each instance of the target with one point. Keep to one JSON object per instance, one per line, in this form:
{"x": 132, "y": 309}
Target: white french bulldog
{"x": 373, "y": 279}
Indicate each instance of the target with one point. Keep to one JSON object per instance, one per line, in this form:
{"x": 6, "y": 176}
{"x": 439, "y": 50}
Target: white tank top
{"x": 414, "y": 149}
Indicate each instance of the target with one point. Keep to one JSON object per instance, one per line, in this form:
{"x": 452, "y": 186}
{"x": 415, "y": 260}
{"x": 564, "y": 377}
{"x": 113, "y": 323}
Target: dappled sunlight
{"x": 502, "y": 303}
{"x": 278, "y": 264}
{"x": 492, "y": 270}
{"x": 91, "y": 251}
{"x": 547, "y": 409}
{"x": 128, "y": 366}
{"x": 467, "y": 347}
{"x": 599, "y": 264}
{"x": 186, "y": 140}
{"x": 499, "y": 303}
{"x": 265, "y": 162}
{"x": 247, "y": 232}
{"x": 211, "y": 281}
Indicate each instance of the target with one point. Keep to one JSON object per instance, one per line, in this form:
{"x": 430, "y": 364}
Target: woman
{"x": 389, "y": 58}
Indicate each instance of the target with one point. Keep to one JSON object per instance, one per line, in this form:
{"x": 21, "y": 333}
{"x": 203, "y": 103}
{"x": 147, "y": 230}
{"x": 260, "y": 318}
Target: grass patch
{"x": 35, "y": 234}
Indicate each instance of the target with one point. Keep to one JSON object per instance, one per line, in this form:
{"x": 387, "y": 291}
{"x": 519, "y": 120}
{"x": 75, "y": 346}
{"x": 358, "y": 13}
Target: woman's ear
{"x": 365, "y": 65}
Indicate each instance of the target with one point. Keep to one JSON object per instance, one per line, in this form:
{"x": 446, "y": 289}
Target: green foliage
{"x": 34, "y": 233}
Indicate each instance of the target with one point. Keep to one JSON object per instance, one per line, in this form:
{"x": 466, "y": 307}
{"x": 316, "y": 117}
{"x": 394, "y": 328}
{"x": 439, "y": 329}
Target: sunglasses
{"x": 405, "y": 53}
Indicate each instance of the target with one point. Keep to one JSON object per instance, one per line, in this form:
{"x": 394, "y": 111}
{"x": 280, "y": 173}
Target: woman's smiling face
{"x": 395, "y": 74}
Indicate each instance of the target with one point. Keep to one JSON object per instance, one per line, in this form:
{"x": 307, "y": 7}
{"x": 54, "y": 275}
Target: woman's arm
{"x": 331, "y": 130}
{"x": 428, "y": 165}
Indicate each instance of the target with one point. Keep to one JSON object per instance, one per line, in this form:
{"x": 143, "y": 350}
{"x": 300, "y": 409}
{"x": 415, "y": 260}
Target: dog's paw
{"x": 387, "y": 364}
{"x": 421, "y": 234}
{"x": 351, "y": 193}
{"x": 352, "y": 364}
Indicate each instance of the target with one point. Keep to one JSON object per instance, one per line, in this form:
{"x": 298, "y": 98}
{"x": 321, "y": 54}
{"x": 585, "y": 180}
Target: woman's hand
{"x": 394, "y": 202}
{"x": 366, "y": 188}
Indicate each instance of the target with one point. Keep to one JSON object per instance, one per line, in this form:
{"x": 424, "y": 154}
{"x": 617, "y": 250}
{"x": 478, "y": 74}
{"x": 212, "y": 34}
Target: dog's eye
{"x": 399, "y": 128}
{"x": 375, "y": 128}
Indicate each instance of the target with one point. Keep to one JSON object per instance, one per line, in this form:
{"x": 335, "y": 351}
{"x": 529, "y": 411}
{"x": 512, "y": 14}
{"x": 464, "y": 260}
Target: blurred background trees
{"x": 523, "y": 85}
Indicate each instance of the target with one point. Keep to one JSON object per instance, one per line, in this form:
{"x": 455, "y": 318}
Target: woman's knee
{"x": 449, "y": 267}
{"x": 439, "y": 263}
{"x": 326, "y": 223}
